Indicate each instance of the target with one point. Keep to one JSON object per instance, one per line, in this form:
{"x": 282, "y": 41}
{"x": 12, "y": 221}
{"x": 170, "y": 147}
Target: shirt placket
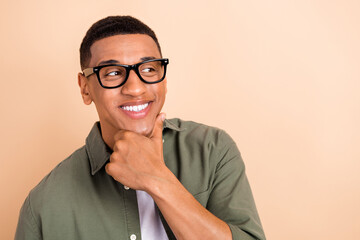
{"x": 131, "y": 214}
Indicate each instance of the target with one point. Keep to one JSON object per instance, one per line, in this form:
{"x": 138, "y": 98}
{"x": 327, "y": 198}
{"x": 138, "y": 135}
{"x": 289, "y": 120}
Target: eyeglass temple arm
{"x": 88, "y": 71}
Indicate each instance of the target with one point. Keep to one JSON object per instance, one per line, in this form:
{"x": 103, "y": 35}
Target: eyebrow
{"x": 112, "y": 61}
{"x": 147, "y": 58}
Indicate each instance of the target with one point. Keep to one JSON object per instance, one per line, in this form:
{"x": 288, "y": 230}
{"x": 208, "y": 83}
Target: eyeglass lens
{"x": 111, "y": 76}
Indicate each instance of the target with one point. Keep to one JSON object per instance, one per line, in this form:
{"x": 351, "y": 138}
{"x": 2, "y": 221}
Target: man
{"x": 139, "y": 176}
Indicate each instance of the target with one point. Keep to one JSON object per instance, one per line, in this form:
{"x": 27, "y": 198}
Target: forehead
{"x": 126, "y": 49}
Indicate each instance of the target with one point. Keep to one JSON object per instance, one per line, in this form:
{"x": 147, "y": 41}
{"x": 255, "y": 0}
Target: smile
{"x": 135, "y": 108}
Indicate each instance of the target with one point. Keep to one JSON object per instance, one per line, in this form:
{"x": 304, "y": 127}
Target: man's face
{"x": 113, "y": 105}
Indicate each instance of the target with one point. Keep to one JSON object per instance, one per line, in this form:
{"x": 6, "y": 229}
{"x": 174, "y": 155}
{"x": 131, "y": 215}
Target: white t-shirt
{"x": 150, "y": 222}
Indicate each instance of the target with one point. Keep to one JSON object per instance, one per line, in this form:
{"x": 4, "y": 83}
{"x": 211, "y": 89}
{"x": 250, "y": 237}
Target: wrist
{"x": 159, "y": 187}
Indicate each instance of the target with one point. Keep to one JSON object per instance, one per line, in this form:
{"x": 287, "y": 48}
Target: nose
{"x": 134, "y": 86}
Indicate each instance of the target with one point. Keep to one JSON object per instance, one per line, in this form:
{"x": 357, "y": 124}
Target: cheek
{"x": 105, "y": 97}
{"x": 162, "y": 89}
{"x": 165, "y": 85}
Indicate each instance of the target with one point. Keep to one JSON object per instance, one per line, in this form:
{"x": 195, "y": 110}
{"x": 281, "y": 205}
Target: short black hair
{"x": 111, "y": 26}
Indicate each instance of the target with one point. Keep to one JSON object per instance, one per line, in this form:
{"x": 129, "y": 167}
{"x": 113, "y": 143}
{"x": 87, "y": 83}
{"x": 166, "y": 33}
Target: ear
{"x": 84, "y": 89}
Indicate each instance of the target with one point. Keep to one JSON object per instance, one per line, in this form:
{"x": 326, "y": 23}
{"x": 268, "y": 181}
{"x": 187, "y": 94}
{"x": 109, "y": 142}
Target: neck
{"x": 107, "y": 135}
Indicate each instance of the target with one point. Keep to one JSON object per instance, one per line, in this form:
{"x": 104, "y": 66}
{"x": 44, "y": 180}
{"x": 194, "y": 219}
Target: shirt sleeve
{"x": 231, "y": 198}
{"x": 27, "y": 229}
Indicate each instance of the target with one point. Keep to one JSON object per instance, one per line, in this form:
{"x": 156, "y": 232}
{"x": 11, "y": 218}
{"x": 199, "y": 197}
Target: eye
{"x": 148, "y": 69}
{"x": 113, "y": 73}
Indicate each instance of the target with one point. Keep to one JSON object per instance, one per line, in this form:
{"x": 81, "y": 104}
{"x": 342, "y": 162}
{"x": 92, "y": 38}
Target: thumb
{"x": 158, "y": 127}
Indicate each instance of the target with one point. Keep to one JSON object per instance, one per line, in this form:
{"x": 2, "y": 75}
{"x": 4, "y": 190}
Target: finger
{"x": 114, "y": 171}
{"x": 158, "y": 127}
{"x": 122, "y": 138}
{"x": 119, "y": 145}
{"x": 121, "y": 134}
{"x": 115, "y": 157}
{"x": 110, "y": 168}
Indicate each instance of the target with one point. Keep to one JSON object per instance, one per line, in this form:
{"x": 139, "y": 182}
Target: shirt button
{"x": 163, "y": 140}
{"x": 133, "y": 237}
{"x": 127, "y": 188}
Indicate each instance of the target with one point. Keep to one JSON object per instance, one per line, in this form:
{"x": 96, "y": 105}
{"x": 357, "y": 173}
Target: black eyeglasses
{"x": 115, "y": 75}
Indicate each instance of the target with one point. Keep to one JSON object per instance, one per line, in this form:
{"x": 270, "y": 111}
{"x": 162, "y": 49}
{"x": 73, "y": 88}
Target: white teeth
{"x": 136, "y": 108}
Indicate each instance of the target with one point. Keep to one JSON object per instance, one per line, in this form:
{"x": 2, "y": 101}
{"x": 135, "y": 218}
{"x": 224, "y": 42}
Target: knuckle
{"x": 117, "y": 146}
{"x": 119, "y": 135}
{"x": 127, "y": 134}
{"x": 120, "y": 146}
{"x": 122, "y": 134}
{"x": 114, "y": 157}
{"x": 109, "y": 168}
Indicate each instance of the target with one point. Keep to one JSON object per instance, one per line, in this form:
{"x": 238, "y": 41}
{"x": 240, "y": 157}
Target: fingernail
{"x": 163, "y": 116}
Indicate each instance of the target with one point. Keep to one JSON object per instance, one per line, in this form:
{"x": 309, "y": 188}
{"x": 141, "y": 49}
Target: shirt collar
{"x": 172, "y": 125}
{"x": 99, "y": 153}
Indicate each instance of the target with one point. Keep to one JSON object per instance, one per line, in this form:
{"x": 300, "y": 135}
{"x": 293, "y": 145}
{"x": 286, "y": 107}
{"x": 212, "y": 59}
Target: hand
{"x": 137, "y": 160}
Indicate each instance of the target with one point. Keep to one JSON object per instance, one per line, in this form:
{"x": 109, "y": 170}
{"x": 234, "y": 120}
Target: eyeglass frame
{"x": 89, "y": 71}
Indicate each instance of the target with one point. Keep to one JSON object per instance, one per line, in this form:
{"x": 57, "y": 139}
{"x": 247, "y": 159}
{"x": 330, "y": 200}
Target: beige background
{"x": 282, "y": 77}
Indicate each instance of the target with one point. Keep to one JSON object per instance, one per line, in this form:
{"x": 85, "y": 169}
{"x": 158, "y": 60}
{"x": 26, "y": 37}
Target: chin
{"x": 143, "y": 130}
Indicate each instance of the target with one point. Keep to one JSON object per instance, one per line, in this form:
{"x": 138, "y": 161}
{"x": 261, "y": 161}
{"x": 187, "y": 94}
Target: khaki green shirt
{"x": 79, "y": 200}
